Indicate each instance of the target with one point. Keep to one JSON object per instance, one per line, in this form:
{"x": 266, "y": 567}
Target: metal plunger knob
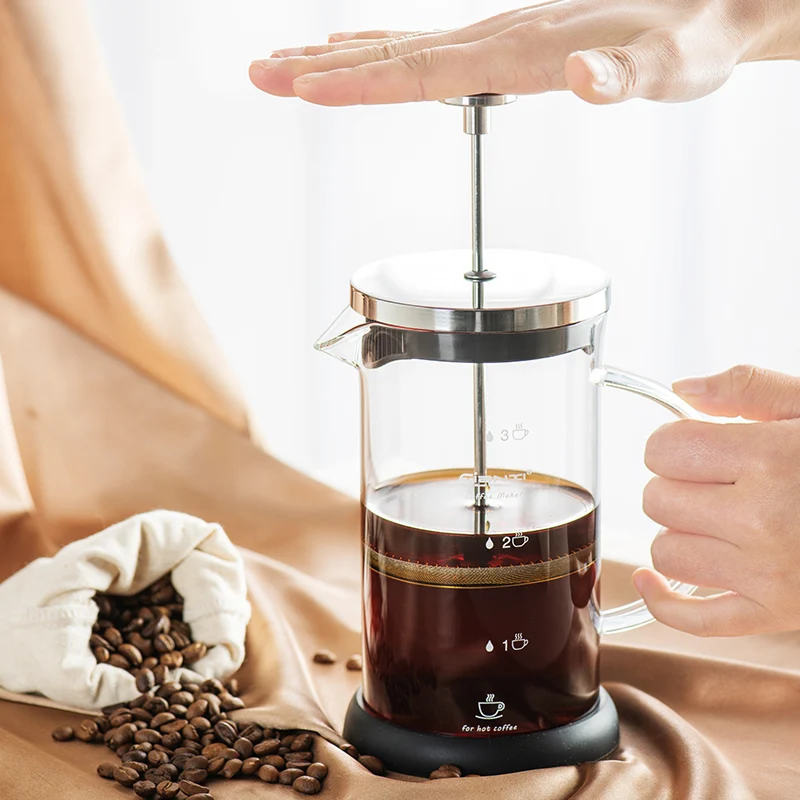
{"x": 477, "y": 123}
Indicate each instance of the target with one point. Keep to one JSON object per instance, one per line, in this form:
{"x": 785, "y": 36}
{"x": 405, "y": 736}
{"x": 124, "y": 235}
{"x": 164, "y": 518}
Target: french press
{"x": 480, "y": 375}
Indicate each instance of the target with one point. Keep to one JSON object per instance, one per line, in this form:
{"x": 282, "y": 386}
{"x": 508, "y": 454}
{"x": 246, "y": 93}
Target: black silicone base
{"x": 590, "y": 738}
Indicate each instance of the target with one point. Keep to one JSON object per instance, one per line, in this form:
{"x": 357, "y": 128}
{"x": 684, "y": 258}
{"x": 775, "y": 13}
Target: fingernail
{"x": 638, "y": 581}
{"x": 341, "y": 36}
{"x": 288, "y": 51}
{"x": 266, "y": 63}
{"x": 691, "y": 387}
{"x": 604, "y": 74}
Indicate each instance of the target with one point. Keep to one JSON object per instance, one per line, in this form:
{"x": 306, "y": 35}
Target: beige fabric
{"x": 114, "y": 404}
{"x": 47, "y": 610}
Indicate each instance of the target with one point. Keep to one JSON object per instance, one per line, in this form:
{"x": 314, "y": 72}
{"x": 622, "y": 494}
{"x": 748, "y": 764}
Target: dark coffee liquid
{"x": 480, "y": 635}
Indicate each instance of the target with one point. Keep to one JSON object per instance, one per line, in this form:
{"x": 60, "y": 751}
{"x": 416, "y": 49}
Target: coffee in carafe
{"x": 479, "y": 635}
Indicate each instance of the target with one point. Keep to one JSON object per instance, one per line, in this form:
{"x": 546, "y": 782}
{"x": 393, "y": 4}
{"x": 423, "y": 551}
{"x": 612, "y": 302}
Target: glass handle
{"x": 634, "y": 615}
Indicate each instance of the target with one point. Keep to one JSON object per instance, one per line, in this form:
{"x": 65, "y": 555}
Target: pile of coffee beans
{"x": 175, "y": 738}
{"x": 145, "y": 633}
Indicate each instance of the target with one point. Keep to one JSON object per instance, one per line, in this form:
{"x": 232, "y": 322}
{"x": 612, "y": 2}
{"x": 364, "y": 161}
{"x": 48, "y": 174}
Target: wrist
{"x": 770, "y": 29}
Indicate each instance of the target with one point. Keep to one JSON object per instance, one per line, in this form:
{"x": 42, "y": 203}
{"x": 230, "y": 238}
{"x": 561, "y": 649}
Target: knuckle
{"x": 653, "y": 499}
{"x": 743, "y": 378}
{"x": 628, "y": 65}
{"x": 666, "y": 557}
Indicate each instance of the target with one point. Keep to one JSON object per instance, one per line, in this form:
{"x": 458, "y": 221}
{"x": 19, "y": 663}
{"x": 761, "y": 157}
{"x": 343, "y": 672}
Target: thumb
{"x": 651, "y": 67}
{"x": 743, "y": 391}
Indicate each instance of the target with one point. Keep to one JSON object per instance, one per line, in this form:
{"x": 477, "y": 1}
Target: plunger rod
{"x": 476, "y": 123}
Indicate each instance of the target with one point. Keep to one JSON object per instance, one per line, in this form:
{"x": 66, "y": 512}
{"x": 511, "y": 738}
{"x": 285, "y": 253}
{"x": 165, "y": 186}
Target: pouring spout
{"x": 342, "y": 338}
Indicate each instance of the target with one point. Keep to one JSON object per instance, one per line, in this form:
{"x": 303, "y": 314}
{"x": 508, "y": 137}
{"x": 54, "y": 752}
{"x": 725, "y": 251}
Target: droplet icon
{"x": 489, "y": 544}
{"x": 489, "y": 437}
{"x": 489, "y": 646}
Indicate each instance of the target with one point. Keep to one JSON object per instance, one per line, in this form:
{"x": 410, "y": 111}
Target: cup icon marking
{"x": 519, "y": 540}
{"x": 518, "y": 643}
{"x": 490, "y": 708}
{"x": 519, "y": 432}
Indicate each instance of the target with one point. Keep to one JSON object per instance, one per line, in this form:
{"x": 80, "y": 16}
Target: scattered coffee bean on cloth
{"x": 324, "y": 657}
{"x": 354, "y": 663}
{"x": 175, "y": 737}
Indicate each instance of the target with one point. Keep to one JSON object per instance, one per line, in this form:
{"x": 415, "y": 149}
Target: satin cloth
{"x": 114, "y": 400}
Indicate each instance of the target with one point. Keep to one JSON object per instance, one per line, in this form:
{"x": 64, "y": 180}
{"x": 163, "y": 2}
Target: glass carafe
{"x": 481, "y": 617}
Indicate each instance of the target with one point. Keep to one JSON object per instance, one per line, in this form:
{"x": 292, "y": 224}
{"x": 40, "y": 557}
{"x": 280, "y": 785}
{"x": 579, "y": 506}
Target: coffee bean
{"x": 451, "y": 768}
{"x": 244, "y": 747}
{"x": 287, "y": 740}
{"x": 155, "y": 705}
{"x": 300, "y": 755}
{"x": 231, "y": 703}
{"x": 172, "y": 740}
{"x": 106, "y": 770}
{"x": 350, "y": 750}
{"x": 195, "y": 775}
{"x": 118, "y": 660}
{"x": 437, "y": 774}
{"x": 147, "y": 735}
{"x": 134, "y": 755}
{"x": 301, "y": 742}
{"x": 160, "y": 673}
{"x": 157, "y": 757}
{"x": 373, "y": 764}
{"x": 267, "y": 747}
{"x": 354, "y": 663}
{"x": 141, "y": 714}
{"x": 120, "y": 718}
{"x": 173, "y": 660}
{"x": 88, "y": 731}
{"x": 212, "y": 685}
{"x": 133, "y": 654}
{"x": 168, "y": 790}
{"x": 192, "y": 785}
{"x": 113, "y": 637}
{"x": 197, "y": 762}
{"x": 274, "y": 761}
{"x": 215, "y": 765}
{"x": 268, "y": 774}
{"x": 164, "y": 643}
{"x": 213, "y": 750}
{"x": 162, "y": 719}
{"x": 324, "y": 657}
{"x": 231, "y": 768}
{"x": 141, "y": 769}
{"x": 126, "y": 776}
{"x": 317, "y": 770}
{"x": 122, "y": 735}
{"x": 101, "y": 654}
{"x": 96, "y": 640}
{"x": 253, "y": 732}
{"x": 182, "y": 698}
{"x": 177, "y": 725}
{"x": 228, "y": 753}
{"x": 194, "y": 652}
{"x": 250, "y": 766}
{"x": 227, "y": 731}
{"x": 307, "y": 785}
{"x": 289, "y": 776}
{"x": 144, "y": 788}
{"x": 145, "y": 680}
{"x": 197, "y": 709}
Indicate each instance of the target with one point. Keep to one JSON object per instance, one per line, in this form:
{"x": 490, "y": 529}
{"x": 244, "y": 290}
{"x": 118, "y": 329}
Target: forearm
{"x": 775, "y": 27}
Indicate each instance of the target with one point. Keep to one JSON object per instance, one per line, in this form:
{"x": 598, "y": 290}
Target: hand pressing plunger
{"x": 604, "y": 51}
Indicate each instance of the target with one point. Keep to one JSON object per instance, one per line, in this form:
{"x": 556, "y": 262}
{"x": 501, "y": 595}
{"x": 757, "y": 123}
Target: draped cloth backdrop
{"x": 114, "y": 400}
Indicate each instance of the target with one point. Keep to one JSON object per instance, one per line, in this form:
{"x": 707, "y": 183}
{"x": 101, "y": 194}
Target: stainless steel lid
{"x": 531, "y": 291}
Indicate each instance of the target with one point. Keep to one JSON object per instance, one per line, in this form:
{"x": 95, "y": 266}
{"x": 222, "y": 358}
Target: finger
{"x": 744, "y": 391}
{"x": 324, "y": 49}
{"x": 699, "y": 508}
{"x": 353, "y": 43}
{"x": 432, "y": 73}
{"x": 704, "y": 452}
{"x": 277, "y": 76}
{"x": 652, "y": 67}
{"x": 726, "y": 614}
{"x": 698, "y": 560}
{"x": 345, "y": 36}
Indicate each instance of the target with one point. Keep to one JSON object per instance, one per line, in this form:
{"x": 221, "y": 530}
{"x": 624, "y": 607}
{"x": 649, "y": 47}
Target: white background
{"x": 268, "y": 206}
